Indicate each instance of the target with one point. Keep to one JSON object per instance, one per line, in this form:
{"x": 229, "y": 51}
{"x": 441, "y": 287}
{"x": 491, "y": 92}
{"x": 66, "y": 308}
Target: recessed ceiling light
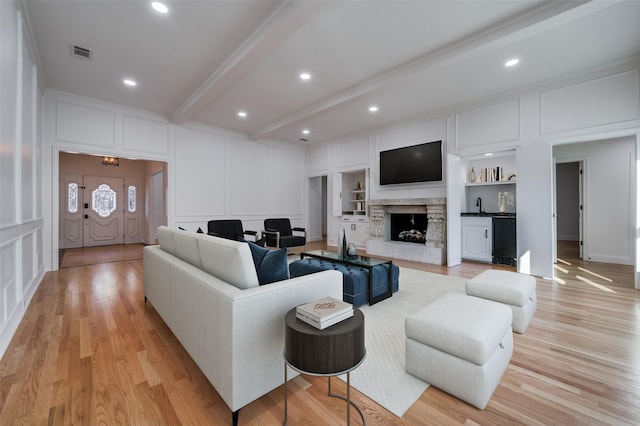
{"x": 488, "y": 154}
{"x": 512, "y": 62}
{"x": 129, "y": 82}
{"x": 306, "y": 131}
{"x": 159, "y": 7}
{"x": 242, "y": 114}
{"x": 373, "y": 108}
{"x": 305, "y": 76}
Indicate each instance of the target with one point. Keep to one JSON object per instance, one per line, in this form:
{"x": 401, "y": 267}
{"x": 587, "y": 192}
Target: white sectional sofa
{"x": 206, "y": 290}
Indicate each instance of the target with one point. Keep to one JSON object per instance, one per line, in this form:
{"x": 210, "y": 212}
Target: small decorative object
{"x": 344, "y": 244}
{"x": 504, "y": 199}
{"x": 351, "y": 250}
{"x": 359, "y": 186}
{"x": 341, "y": 239}
{"x": 472, "y": 178}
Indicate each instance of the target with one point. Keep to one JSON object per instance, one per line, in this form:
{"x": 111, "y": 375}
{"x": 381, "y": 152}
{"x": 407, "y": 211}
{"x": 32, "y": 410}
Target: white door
{"x": 158, "y": 213}
{"x": 71, "y": 221}
{"x": 132, "y": 211}
{"x": 104, "y": 205}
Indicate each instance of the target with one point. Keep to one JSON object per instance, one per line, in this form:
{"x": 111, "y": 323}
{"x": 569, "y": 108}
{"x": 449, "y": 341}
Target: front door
{"x": 104, "y": 206}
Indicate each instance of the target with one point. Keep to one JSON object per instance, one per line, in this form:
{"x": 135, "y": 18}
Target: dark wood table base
{"x": 330, "y": 352}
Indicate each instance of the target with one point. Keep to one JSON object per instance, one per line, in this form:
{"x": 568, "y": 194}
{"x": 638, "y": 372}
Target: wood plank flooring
{"x": 89, "y": 351}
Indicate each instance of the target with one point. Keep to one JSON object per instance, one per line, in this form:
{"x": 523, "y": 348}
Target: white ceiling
{"x": 206, "y": 60}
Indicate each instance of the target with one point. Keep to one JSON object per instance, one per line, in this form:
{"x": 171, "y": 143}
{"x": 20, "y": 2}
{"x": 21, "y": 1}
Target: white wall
{"x": 21, "y": 212}
{"x": 595, "y": 105}
{"x": 211, "y": 173}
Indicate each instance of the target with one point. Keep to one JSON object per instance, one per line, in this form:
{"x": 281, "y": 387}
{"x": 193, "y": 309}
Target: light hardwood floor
{"x": 89, "y": 351}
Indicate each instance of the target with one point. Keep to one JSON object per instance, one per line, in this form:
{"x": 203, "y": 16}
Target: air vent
{"x": 81, "y": 52}
{"x": 304, "y": 140}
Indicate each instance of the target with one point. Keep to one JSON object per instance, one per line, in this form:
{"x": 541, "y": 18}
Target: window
{"x": 132, "y": 199}
{"x": 103, "y": 200}
{"x": 72, "y": 198}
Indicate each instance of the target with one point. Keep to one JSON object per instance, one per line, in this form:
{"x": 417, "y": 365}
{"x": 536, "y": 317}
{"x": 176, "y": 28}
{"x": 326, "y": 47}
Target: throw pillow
{"x": 271, "y": 265}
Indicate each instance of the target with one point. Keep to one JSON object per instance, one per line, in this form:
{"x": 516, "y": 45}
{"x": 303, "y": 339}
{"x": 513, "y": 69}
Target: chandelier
{"x": 111, "y": 161}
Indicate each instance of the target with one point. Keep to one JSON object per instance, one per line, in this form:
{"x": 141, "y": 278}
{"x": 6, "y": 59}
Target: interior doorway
{"x": 102, "y": 203}
{"x": 570, "y": 205}
{"x": 317, "y": 225}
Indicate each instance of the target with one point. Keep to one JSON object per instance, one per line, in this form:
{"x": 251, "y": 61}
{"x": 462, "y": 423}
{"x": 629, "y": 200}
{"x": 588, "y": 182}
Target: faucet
{"x": 479, "y": 205}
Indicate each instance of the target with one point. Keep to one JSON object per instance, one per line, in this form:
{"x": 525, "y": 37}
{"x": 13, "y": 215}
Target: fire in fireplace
{"x": 409, "y": 227}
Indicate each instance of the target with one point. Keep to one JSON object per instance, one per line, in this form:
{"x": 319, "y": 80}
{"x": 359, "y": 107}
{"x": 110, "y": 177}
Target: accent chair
{"x": 279, "y": 233}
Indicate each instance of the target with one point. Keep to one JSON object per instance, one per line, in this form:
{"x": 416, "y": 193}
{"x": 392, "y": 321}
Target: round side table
{"x": 336, "y": 350}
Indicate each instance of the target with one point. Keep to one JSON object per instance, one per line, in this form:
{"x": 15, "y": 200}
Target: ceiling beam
{"x": 540, "y": 18}
{"x": 285, "y": 18}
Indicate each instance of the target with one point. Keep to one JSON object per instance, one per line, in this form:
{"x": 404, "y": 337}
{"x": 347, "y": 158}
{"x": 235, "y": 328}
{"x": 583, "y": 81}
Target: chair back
{"x": 283, "y": 225}
{"x": 230, "y": 229}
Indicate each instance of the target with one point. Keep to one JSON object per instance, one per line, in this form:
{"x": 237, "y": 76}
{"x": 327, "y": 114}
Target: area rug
{"x": 382, "y": 376}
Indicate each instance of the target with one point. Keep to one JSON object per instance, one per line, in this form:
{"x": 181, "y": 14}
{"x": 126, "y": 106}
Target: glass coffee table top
{"x": 364, "y": 261}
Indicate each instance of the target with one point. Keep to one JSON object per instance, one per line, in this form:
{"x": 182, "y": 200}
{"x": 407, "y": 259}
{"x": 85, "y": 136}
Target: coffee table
{"x": 361, "y": 261}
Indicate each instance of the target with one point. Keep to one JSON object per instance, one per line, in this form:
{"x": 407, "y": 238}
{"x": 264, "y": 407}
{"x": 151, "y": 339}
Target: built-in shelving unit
{"x": 501, "y": 182}
{"x": 486, "y": 177}
{"x": 354, "y": 193}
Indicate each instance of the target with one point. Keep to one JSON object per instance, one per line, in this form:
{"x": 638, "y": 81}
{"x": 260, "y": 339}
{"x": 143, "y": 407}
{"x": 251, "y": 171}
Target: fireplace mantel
{"x": 434, "y": 249}
{"x": 409, "y": 202}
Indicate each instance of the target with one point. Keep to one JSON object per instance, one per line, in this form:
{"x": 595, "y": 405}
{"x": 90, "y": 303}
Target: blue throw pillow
{"x": 271, "y": 265}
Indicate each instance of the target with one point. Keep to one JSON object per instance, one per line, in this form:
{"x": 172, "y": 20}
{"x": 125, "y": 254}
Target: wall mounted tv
{"x": 416, "y": 163}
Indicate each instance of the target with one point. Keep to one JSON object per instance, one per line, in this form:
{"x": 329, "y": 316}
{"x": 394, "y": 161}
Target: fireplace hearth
{"x": 409, "y": 227}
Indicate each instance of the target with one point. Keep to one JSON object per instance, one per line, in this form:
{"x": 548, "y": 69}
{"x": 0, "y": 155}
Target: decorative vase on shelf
{"x": 472, "y": 178}
{"x": 344, "y": 244}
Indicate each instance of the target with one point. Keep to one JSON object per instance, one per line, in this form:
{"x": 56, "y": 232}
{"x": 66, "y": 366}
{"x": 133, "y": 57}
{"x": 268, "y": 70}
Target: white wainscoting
{"x": 489, "y": 124}
{"x": 604, "y": 101}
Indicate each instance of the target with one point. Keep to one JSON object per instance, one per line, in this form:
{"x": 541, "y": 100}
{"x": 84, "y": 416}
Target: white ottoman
{"x": 460, "y": 344}
{"x": 518, "y": 291}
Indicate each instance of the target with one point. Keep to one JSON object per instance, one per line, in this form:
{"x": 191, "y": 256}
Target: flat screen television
{"x": 416, "y": 163}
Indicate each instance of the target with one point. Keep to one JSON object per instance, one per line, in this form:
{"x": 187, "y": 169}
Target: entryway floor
{"x": 103, "y": 254}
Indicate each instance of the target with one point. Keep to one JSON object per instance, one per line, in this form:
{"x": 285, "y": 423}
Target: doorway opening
{"x": 109, "y": 203}
{"x": 317, "y": 224}
{"x": 570, "y": 206}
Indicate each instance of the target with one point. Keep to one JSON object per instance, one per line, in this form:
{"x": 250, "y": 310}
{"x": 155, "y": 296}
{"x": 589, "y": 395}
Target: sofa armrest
{"x": 257, "y": 330}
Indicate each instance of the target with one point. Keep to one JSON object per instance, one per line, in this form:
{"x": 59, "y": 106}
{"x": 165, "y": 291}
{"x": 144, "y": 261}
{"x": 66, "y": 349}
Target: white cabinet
{"x": 356, "y": 229}
{"x": 476, "y": 238}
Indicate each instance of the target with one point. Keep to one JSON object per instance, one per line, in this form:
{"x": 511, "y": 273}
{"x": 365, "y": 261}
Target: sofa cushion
{"x": 230, "y": 261}
{"x": 271, "y": 265}
{"x": 186, "y": 248}
{"x": 165, "y": 239}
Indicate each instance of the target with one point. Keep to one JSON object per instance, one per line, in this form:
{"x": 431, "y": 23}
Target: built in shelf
{"x": 498, "y": 182}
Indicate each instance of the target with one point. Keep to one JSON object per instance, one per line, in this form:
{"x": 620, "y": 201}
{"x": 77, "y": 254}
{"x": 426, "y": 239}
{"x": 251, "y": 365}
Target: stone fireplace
{"x": 410, "y": 229}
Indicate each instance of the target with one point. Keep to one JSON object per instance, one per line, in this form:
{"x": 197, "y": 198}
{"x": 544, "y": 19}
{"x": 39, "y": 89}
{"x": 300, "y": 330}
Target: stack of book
{"x": 325, "y": 312}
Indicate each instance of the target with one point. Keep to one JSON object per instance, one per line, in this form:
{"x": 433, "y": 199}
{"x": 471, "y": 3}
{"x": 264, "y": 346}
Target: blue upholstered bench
{"x": 355, "y": 280}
